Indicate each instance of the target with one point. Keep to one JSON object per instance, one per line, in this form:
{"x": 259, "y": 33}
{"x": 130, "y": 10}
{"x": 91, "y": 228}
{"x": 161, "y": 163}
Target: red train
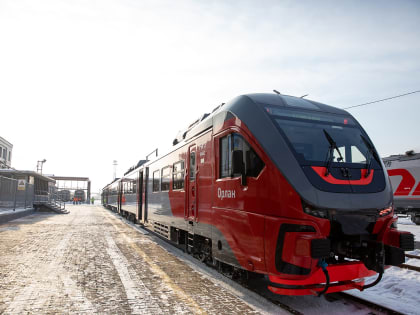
{"x": 272, "y": 185}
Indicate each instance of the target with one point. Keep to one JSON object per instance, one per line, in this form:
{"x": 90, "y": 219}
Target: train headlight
{"x": 385, "y": 211}
{"x": 316, "y": 212}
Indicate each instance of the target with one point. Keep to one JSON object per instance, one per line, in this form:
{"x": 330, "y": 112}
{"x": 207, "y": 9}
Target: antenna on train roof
{"x": 277, "y": 92}
{"x": 304, "y": 95}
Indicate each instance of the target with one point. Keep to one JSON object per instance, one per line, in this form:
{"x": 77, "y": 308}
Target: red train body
{"x": 404, "y": 172}
{"x": 260, "y": 185}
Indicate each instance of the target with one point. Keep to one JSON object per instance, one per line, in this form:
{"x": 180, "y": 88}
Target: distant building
{"x": 5, "y": 153}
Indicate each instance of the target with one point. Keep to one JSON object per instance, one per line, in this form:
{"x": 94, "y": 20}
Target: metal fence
{"x": 15, "y": 194}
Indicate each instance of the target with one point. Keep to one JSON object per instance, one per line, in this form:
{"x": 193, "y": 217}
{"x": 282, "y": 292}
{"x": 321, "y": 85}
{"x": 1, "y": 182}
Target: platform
{"x": 7, "y": 215}
{"x": 90, "y": 261}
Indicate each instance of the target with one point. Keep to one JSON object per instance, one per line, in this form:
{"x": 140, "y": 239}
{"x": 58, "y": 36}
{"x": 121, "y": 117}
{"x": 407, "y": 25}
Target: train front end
{"x": 334, "y": 224}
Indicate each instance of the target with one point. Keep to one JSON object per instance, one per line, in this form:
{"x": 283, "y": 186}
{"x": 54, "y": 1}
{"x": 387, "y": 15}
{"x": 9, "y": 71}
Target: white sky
{"x": 85, "y": 82}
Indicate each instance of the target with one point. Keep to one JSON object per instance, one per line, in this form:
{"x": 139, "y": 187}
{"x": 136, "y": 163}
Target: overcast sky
{"x": 83, "y": 83}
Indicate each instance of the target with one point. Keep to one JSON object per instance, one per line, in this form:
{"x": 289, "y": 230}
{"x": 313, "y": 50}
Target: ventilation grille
{"x": 161, "y": 229}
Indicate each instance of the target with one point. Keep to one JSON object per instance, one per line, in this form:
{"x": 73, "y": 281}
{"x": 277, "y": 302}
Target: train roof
{"x": 293, "y": 101}
{"x": 116, "y": 179}
{"x": 409, "y": 155}
{"x": 205, "y": 121}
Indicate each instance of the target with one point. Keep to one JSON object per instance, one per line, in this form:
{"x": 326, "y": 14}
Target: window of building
{"x": 156, "y": 180}
{"x": 10, "y": 154}
{"x": 166, "y": 173}
{"x": 235, "y": 142}
{"x": 178, "y": 175}
{"x": 4, "y": 153}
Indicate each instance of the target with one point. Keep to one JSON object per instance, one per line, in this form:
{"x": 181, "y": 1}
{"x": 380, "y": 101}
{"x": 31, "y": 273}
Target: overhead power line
{"x": 385, "y": 99}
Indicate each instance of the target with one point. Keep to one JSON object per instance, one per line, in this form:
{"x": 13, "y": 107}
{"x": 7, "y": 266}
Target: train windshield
{"x": 313, "y": 136}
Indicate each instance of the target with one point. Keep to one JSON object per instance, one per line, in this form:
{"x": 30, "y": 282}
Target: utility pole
{"x": 114, "y": 163}
{"x": 39, "y": 165}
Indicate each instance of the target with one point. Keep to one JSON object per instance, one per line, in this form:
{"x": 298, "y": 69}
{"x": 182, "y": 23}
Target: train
{"x": 80, "y": 195}
{"x": 64, "y": 195}
{"x": 278, "y": 188}
{"x": 404, "y": 173}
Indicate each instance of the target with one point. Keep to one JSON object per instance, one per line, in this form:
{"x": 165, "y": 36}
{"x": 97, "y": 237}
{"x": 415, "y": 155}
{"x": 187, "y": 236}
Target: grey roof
{"x": 12, "y": 172}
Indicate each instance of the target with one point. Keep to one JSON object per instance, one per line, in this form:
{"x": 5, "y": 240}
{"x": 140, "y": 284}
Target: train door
{"x": 140, "y": 196}
{"x": 145, "y": 184}
{"x": 119, "y": 196}
{"x": 191, "y": 209}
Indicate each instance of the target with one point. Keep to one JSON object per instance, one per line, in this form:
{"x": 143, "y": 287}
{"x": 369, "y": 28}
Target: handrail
{"x": 50, "y": 197}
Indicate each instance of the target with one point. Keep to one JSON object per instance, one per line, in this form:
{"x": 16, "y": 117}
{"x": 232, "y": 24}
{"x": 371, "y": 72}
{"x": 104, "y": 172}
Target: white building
{"x": 5, "y": 153}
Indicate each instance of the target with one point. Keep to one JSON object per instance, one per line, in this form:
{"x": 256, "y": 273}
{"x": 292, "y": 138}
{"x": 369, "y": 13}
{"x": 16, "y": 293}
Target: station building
{"x": 5, "y": 153}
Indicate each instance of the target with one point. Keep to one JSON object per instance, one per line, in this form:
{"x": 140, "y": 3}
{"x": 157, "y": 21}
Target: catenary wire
{"x": 385, "y": 99}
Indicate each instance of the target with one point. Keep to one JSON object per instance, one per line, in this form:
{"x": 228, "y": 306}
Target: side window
{"x": 164, "y": 184}
{"x": 192, "y": 166}
{"x": 225, "y": 157}
{"x": 10, "y": 153}
{"x": 156, "y": 180}
{"x": 178, "y": 175}
{"x": 251, "y": 161}
{"x": 134, "y": 186}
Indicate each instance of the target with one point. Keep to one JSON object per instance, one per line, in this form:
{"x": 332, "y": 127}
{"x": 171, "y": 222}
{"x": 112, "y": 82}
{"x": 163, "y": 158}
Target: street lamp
{"x": 39, "y": 166}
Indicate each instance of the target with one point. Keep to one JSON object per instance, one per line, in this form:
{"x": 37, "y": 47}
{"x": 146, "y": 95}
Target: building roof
{"x": 12, "y": 172}
{"x": 7, "y": 142}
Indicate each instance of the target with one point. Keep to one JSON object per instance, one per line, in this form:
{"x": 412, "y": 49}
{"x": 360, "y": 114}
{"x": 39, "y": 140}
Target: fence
{"x": 13, "y": 195}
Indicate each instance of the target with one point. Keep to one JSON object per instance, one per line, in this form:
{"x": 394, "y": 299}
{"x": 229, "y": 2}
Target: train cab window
{"x": 234, "y": 142}
{"x": 178, "y": 175}
{"x": 357, "y": 156}
{"x": 156, "y": 180}
{"x": 225, "y": 157}
{"x": 166, "y": 173}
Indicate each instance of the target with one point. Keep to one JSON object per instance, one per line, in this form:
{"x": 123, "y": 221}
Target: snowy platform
{"x": 7, "y": 215}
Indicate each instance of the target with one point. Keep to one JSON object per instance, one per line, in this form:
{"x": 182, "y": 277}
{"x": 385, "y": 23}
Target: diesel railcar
{"x": 64, "y": 195}
{"x": 80, "y": 195}
{"x": 272, "y": 185}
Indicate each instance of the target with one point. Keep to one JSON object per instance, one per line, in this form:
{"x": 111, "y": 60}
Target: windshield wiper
{"x": 371, "y": 154}
{"x": 330, "y": 154}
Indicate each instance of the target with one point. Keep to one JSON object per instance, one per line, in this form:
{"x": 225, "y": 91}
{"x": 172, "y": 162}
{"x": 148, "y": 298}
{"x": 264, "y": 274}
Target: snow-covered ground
{"x": 405, "y": 224}
{"x": 399, "y": 288}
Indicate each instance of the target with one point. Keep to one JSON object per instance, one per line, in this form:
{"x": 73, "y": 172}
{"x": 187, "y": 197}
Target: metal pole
{"x": 14, "y": 204}
{"x": 26, "y": 192}
{"x": 88, "y": 193}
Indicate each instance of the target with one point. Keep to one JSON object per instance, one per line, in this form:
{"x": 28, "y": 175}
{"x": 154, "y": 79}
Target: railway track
{"x": 375, "y": 308}
{"x": 412, "y": 256}
{"x": 283, "y": 301}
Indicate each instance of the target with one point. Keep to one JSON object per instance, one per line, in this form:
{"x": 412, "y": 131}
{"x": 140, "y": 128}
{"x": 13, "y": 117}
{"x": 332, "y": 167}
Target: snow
{"x": 399, "y": 288}
{"x": 405, "y": 224}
